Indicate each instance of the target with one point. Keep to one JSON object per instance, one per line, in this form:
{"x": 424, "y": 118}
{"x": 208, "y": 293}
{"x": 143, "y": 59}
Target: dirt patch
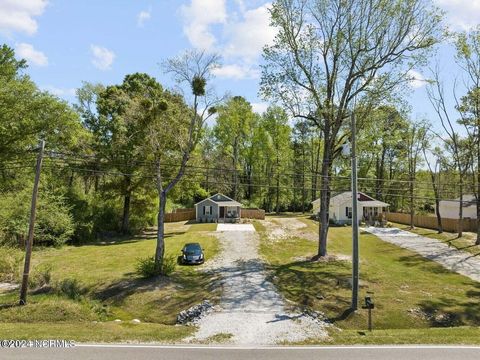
{"x": 5, "y": 287}
{"x": 287, "y": 227}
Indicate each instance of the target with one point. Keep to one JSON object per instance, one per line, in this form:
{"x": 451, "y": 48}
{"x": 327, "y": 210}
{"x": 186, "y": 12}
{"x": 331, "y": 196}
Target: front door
{"x": 222, "y": 211}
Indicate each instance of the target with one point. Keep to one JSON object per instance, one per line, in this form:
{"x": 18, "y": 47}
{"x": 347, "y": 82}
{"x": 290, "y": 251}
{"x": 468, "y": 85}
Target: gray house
{"x": 218, "y": 208}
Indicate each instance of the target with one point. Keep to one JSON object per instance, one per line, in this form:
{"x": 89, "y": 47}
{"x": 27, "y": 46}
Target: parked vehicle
{"x": 192, "y": 253}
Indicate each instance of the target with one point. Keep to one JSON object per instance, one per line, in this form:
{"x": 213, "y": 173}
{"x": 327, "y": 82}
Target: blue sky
{"x": 69, "y": 41}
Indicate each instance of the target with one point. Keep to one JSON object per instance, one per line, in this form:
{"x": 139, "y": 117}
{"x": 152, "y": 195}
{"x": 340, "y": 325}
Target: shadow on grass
{"x": 446, "y": 312}
{"x": 183, "y": 289}
{"x": 420, "y": 262}
{"x": 307, "y": 283}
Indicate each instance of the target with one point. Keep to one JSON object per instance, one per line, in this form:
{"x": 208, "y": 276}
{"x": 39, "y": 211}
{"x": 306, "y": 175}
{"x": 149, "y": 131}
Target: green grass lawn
{"x": 409, "y": 291}
{"x": 110, "y": 289}
{"x": 465, "y": 243}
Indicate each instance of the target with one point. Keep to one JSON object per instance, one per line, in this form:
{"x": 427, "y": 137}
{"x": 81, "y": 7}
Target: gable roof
{"x": 363, "y": 199}
{"x": 221, "y": 200}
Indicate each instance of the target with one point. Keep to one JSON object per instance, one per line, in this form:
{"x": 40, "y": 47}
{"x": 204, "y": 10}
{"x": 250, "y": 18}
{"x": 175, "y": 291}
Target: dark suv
{"x": 192, "y": 253}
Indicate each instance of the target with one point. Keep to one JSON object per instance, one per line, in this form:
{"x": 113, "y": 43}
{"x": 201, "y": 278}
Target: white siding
{"x": 449, "y": 210}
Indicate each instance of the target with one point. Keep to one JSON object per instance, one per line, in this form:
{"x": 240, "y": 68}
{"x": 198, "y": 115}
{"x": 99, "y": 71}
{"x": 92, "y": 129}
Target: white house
{"x": 449, "y": 208}
{"x": 340, "y": 211}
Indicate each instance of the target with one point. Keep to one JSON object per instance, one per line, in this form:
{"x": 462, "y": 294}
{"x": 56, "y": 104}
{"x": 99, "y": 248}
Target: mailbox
{"x": 369, "y": 303}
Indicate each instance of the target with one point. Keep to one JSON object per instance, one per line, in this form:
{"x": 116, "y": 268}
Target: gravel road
{"x": 452, "y": 259}
{"x": 251, "y": 311}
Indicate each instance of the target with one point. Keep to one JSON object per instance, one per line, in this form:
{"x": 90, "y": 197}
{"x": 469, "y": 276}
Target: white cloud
{"x": 243, "y": 33}
{"x": 416, "y": 79}
{"x": 18, "y": 15}
{"x": 249, "y": 35}
{"x": 28, "y": 52}
{"x": 260, "y": 107}
{"x": 461, "y": 14}
{"x": 198, "y": 17}
{"x": 238, "y": 72}
{"x": 102, "y": 57}
{"x": 59, "y": 91}
{"x": 143, "y": 16}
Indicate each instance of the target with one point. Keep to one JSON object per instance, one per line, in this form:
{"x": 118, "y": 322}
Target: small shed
{"x": 218, "y": 208}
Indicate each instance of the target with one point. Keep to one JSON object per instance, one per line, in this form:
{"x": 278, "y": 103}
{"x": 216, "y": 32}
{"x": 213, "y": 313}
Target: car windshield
{"x": 193, "y": 249}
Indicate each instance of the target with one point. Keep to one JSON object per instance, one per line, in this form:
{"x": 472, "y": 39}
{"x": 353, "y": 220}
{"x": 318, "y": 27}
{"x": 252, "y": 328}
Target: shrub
{"x": 71, "y": 288}
{"x": 146, "y": 267}
{"x": 40, "y": 276}
{"x": 10, "y": 264}
{"x": 54, "y": 224}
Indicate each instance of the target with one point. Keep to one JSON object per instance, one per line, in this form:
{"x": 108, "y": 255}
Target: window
{"x": 207, "y": 210}
{"x": 348, "y": 212}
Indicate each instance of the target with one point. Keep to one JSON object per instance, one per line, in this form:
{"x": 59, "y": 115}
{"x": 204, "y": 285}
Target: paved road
{"x": 452, "y": 259}
{"x": 93, "y": 352}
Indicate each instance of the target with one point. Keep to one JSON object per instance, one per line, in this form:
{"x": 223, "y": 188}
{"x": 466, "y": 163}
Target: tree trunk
{"x": 277, "y": 200}
{"x": 235, "y": 173}
{"x": 412, "y": 204}
{"x": 303, "y": 178}
{"x": 126, "y": 206}
{"x": 160, "y": 249}
{"x": 460, "y": 209}
{"x": 324, "y": 200}
{"x": 478, "y": 189}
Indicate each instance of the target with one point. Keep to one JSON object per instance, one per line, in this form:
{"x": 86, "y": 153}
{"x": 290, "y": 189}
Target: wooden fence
{"x": 189, "y": 214}
{"x": 180, "y": 215}
{"x": 430, "y": 222}
{"x": 253, "y": 214}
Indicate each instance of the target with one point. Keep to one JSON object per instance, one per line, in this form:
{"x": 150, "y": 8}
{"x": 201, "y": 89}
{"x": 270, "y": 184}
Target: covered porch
{"x": 374, "y": 213}
{"x": 229, "y": 214}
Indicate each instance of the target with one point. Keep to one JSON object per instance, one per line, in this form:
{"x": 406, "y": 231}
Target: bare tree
{"x": 468, "y": 57}
{"x": 415, "y": 139}
{"x": 192, "y": 70}
{"x": 435, "y": 174}
{"x": 327, "y": 54}
{"x": 453, "y": 142}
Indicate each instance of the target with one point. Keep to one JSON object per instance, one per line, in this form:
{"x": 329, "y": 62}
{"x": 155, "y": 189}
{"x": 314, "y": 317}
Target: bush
{"x": 146, "y": 267}
{"x": 54, "y": 224}
{"x": 40, "y": 276}
{"x": 71, "y": 288}
{"x": 10, "y": 263}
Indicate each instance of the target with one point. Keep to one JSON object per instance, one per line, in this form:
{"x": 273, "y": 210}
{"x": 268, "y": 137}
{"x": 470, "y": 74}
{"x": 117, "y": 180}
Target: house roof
{"x": 221, "y": 200}
{"x": 468, "y": 200}
{"x": 363, "y": 199}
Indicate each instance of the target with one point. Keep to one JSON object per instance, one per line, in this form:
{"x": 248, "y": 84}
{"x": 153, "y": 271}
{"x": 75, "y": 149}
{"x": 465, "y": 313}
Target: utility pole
{"x": 355, "y": 276}
{"x": 28, "y": 248}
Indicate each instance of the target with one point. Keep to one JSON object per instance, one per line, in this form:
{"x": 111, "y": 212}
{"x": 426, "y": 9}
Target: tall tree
{"x": 232, "y": 130}
{"x": 435, "y": 173}
{"x": 193, "y": 71}
{"x": 414, "y": 142}
{"x": 275, "y": 123}
{"x": 329, "y": 54}
{"x": 468, "y": 56}
{"x": 120, "y": 131}
{"x": 453, "y": 141}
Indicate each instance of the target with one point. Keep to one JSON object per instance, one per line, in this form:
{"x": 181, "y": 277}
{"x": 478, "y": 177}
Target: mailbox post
{"x": 369, "y": 305}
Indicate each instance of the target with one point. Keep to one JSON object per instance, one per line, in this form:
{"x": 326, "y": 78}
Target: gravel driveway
{"x": 452, "y": 259}
{"x": 251, "y": 309}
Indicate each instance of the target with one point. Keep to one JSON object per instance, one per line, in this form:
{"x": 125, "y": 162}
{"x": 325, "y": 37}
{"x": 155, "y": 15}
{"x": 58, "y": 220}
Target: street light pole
{"x": 355, "y": 258}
